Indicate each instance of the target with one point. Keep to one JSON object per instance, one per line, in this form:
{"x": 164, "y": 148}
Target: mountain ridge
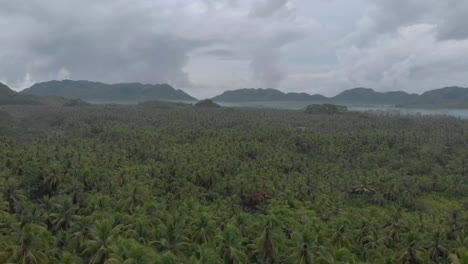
{"x": 10, "y": 97}
{"x": 266, "y": 94}
{"x": 451, "y": 96}
{"x": 4, "y": 89}
{"x": 98, "y": 91}
{"x": 447, "y": 96}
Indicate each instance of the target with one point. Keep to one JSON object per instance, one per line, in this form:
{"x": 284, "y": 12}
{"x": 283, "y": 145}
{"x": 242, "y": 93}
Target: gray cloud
{"x": 455, "y": 20}
{"x": 268, "y": 7}
{"x": 116, "y": 41}
{"x": 220, "y": 53}
{"x": 412, "y": 45}
{"x": 385, "y": 16}
{"x": 266, "y": 67}
{"x": 94, "y": 43}
{"x": 295, "y": 45}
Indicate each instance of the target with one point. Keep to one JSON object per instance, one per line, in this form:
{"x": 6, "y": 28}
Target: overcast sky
{"x": 208, "y": 46}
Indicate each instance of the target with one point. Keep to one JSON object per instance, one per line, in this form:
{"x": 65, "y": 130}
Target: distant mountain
{"x": 10, "y": 97}
{"x": 109, "y": 93}
{"x": 369, "y": 96}
{"x": 448, "y": 96}
{"x": 5, "y": 90}
{"x": 445, "y": 97}
{"x": 259, "y": 95}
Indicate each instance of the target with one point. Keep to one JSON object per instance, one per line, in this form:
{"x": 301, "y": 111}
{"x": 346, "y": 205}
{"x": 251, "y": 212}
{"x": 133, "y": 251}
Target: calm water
{"x": 377, "y": 109}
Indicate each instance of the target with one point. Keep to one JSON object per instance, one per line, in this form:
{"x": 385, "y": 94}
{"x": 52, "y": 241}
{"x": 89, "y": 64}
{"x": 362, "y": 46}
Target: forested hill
{"x": 10, "y": 97}
{"x": 5, "y": 89}
{"x": 449, "y": 97}
{"x": 259, "y": 95}
{"x": 369, "y": 96}
{"x": 101, "y": 92}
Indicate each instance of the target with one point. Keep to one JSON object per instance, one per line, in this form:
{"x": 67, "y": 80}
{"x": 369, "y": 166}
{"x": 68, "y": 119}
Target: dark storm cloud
{"x": 97, "y": 41}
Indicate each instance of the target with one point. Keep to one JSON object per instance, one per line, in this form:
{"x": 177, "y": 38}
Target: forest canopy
{"x": 326, "y": 109}
{"x": 175, "y": 183}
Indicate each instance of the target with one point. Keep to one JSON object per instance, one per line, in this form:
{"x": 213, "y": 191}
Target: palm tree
{"x": 168, "y": 258}
{"x": 436, "y": 249}
{"x": 171, "y": 237}
{"x": 229, "y": 245}
{"x": 272, "y": 236}
{"x": 99, "y": 202}
{"x": 74, "y": 189}
{"x": 305, "y": 248}
{"x": 47, "y": 205}
{"x": 69, "y": 258}
{"x": 53, "y": 178}
{"x": 103, "y": 236}
{"x": 204, "y": 254}
{"x": 12, "y": 194}
{"x": 461, "y": 240}
{"x": 412, "y": 253}
{"x": 3, "y": 205}
{"x": 81, "y": 231}
{"x": 454, "y": 224}
{"x": 130, "y": 251}
{"x": 27, "y": 244}
{"x": 141, "y": 230}
{"x": 133, "y": 196}
{"x": 30, "y": 213}
{"x": 340, "y": 256}
{"x": 461, "y": 257}
{"x": 339, "y": 239}
{"x": 203, "y": 228}
{"x": 393, "y": 228}
{"x": 64, "y": 214}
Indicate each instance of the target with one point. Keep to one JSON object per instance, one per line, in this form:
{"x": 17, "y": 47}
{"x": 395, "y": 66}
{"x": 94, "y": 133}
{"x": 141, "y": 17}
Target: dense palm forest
{"x": 167, "y": 183}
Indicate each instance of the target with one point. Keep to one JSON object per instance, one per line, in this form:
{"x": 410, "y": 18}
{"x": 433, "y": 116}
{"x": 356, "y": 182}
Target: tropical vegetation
{"x": 183, "y": 184}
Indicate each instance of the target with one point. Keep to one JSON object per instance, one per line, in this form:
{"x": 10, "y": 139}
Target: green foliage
{"x": 207, "y": 103}
{"x": 328, "y": 109}
{"x": 151, "y": 184}
{"x": 75, "y": 103}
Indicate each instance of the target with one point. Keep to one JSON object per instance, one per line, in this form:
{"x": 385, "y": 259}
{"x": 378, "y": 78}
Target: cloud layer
{"x": 145, "y": 41}
{"x": 206, "y": 46}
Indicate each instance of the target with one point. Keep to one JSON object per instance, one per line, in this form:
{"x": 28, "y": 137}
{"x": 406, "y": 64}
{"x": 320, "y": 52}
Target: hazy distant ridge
{"x": 96, "y": 91}
{"x": 448, "y": 96}
{"x": 257, "y": 95}
{"x": 137, "y": 92}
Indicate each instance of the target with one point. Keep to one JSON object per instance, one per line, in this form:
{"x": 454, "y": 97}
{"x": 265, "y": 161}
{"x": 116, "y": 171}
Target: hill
{"x": 10, "y": 97}
{"x": 448, "y": 96}
{"x": 445, "y": 97}
{"x": 5, "y": 90}
{"x": 259, "y": 95}
{"x": 109, "y": 93}
{"x": 369, "y": 96}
